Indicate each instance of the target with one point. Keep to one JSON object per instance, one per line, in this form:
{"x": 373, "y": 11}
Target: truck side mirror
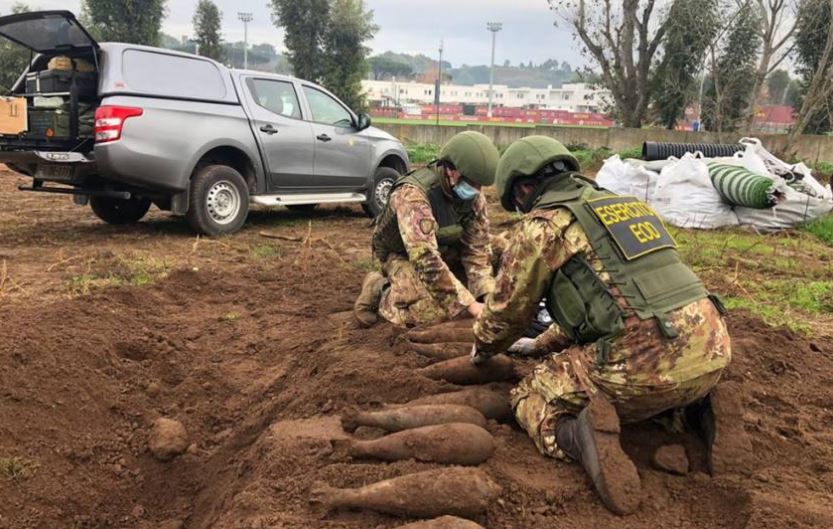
{"x": 363, "y": 122}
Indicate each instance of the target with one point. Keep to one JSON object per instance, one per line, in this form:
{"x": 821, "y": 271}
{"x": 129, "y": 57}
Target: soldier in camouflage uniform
{"x": 636, "y": 332}
{"x": 432, "y": 237}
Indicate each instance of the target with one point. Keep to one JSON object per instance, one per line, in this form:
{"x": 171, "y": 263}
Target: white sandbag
{"x": 627, "y": 178}
{"x": 685, "y": 196}
{"x": 797, "y": 208}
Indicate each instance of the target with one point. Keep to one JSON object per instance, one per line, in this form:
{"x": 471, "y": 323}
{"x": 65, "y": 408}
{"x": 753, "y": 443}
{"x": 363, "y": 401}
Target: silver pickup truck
{"x": 121, "y": 127}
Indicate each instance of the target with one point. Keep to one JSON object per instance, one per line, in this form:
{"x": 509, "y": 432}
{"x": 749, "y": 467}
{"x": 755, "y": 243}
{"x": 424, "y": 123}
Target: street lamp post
{"x": 494, "y": 27}
{"x": 245, "y": 18}
{"x": 439, "y": 84}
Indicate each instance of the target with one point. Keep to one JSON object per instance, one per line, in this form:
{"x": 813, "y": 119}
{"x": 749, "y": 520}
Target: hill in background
{"x": 265, "y": 57}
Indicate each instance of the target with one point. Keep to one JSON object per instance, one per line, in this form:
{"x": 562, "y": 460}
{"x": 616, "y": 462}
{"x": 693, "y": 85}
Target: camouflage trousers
{"x": 643, "y": 375}
{"x": 407, "y": 301}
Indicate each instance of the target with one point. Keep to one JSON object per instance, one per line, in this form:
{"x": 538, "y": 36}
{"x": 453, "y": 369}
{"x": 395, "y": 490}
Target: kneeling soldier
{"x": 635, "y": 333}
{"x": 432, "y": 236}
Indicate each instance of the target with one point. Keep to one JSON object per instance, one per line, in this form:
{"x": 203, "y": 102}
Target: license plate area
{"x": 55, "y": 172}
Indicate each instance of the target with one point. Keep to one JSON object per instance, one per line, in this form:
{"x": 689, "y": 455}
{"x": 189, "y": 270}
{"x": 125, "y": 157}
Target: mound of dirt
{"x": 257, "y": 365}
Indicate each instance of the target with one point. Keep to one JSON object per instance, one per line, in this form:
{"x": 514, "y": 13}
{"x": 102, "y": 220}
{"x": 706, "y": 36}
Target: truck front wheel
{"x": 119, "y": 211}
{"x": 219, "y": 200}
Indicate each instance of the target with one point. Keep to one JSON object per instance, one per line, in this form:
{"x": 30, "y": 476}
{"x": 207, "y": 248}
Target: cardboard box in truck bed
{"x": 13, "y": 117}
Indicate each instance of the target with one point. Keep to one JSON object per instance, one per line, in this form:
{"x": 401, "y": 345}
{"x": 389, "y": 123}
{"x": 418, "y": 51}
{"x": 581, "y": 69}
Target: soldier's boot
{"x": 593, "y": 440}
{"x": 366, "y": 307}
{"x": 718, "y": 419}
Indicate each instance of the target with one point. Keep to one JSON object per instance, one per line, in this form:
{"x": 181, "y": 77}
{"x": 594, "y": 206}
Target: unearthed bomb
{"x": 491, "y": 404}
{"x": 443, "y": 522}
{"x": 465, "y": 492}
{"x": 450, "y": 444}
{"x": 443, "y": 334}
{"x": 461, "y": 371}
{"x": 441, "y": 351}
{"x": 398, "y": 419}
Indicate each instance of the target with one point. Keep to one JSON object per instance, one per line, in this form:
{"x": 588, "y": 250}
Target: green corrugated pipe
{"x": 741, "y": 187}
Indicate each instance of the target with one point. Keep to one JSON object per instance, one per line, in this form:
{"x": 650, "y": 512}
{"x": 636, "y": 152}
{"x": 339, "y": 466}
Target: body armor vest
{"x": 448, "y": 212}
{"x": 638, "y": 254}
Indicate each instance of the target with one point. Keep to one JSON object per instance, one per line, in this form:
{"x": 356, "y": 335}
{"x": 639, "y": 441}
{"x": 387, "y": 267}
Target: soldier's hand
{"x": 475, "y": 309}
{"x": 476, "y": 357}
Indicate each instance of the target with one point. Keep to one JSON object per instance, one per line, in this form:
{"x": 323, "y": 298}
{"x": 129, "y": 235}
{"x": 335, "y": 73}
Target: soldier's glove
{"x": 523, "y": 347}
{"x": 477, "y": 358}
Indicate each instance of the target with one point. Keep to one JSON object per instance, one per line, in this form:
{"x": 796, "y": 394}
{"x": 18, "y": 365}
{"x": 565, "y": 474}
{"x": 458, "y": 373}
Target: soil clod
{"x": 168, "y": 439}
{"x": 672, "y": 459}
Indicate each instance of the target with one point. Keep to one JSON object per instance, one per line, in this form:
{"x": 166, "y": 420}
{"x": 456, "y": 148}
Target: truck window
{"x": 327, "y": 110}
{"x": 170, "y": 75}
{"x": 278, "y": 97}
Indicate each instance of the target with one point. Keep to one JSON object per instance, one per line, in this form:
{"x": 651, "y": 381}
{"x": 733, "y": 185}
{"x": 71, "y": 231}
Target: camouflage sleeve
{"x": 535, "y": 252}
{"x": 477, "y": 252}
{"x": 418, "y": 228}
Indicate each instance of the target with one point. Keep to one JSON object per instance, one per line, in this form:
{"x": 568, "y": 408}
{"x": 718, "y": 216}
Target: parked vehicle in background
{"x": 122, "y": 126}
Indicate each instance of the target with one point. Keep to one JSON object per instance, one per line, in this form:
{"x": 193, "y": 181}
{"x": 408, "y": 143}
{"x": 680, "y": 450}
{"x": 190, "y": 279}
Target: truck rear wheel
{"x": 119, "y": 211}
{"x": 219, "y": 200}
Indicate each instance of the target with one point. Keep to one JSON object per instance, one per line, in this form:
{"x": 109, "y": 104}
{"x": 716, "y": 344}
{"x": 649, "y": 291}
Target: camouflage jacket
{"x": 540, "y": 244}
{"x": 418, "y": 228}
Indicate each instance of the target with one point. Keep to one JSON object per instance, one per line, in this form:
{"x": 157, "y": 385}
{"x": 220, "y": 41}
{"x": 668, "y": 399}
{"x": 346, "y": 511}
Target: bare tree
{"x": 623, "y": 42}
{"x": 819, "y": 90}
{"x": 777, "y": 23}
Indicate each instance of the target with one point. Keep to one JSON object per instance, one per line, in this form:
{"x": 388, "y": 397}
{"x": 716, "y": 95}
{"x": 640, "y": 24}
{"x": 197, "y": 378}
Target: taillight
{"x": 109, "y": 121}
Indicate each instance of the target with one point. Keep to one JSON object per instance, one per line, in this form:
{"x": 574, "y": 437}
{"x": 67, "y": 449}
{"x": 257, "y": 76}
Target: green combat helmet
{"x": 474, "y": 155}
{"x": 525, "y": 158}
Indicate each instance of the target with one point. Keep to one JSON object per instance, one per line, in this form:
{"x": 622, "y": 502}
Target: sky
{"x": 406, "y": 26}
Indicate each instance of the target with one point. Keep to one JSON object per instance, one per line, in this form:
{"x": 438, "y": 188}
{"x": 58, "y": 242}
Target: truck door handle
{"x": 269, "y": 129}
{"x": 323, "y": 137}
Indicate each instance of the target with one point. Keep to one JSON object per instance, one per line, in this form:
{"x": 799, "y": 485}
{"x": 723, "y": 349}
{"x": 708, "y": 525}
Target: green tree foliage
{"x": 304, "y": 22}
{"x": 345, "y": 53}
{"x": 778, "y": 84}
{"x": 132, "y": 21}
{"x": 207, "y": 22}
{"x": 384, "y": 68}
{"x": 14, "y": 58}
{"x": 732, "y": 77}
{"x": 691, "y": 27}
{"x": 814, "y": 25}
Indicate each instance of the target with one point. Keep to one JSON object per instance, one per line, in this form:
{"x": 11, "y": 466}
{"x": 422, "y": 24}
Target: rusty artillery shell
{"x": 462, "y": 372}
{"x": 451, "y": 444}
{"x": 465, "y": 492}
{"x": 406, "y": 418}
{"x": 491, "y": 404}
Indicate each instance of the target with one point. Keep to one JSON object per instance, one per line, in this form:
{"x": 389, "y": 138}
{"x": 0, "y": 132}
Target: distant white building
{"x": 575, "y": 97}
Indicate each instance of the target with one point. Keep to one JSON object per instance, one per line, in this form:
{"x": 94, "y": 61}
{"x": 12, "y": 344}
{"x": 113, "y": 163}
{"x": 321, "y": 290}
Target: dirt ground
{"x": 248, "y": 342}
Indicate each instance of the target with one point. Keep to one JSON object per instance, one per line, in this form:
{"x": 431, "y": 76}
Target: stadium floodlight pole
{"x": 494, "y": 27}
{"x": 245, "y": 18}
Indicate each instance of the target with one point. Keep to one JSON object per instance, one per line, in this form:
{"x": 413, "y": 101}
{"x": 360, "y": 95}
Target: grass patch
{"x": 784, "y": 278}
{"x": 266, "y": 251}
{"x": 16, "y": 468}
{"x": 822, "y": 228}
{"x": 230, "y": 316}
{"x": 119, "y": 270}
{"x": 367, "y": 265}
{"x": 423, "y": 153}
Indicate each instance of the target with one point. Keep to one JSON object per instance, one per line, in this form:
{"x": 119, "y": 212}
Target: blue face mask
{"x": 465, "y": 191}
